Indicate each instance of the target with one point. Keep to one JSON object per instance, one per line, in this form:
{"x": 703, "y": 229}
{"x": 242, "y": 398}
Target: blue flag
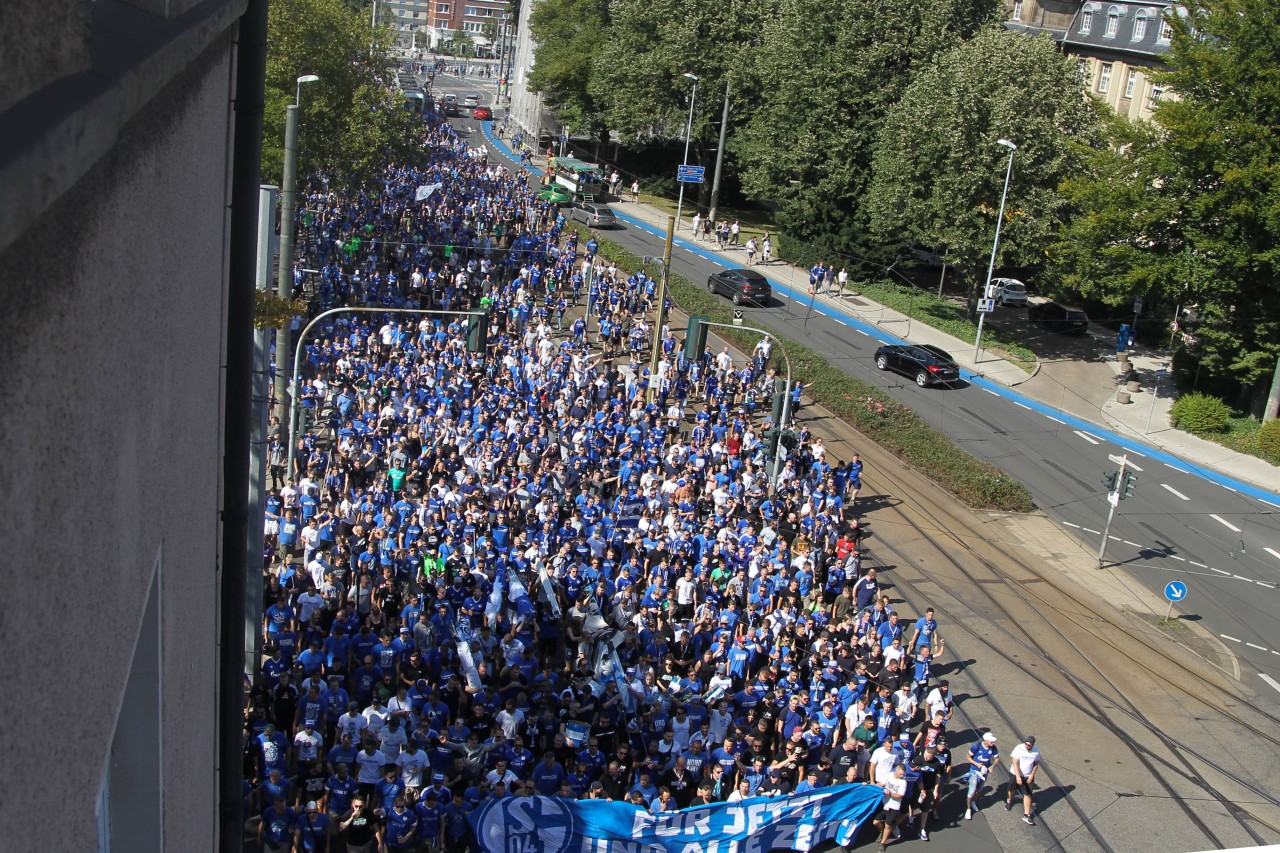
{"x": 756, "y": 825}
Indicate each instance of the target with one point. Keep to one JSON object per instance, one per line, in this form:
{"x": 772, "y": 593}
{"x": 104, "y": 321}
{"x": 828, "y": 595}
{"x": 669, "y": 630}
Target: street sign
{"x": 1137, "y": 305}
{"x": 1113, "y": 498}
{"x": 737, "y": 318}
{"x": 1175, "y": 590}
{"x": 691, "y": 174}
{"x": 986, "y": 306}
{"x": 1173, "y": 327}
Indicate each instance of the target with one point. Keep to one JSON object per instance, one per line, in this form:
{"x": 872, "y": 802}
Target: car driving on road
{"x": 927, "y": 364}
{"x": 471, "y": 101}
{"x": 595, "y": 215}
{"x": 741, "y": 286}
{"x": 482, "y": 113}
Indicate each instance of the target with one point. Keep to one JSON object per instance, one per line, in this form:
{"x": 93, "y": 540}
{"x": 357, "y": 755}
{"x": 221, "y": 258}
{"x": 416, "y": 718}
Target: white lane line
{"x": 1179, "y": 559}
{"x": 1224, "y": 522}
{"x": 1266, "y": 585}
{"x": 1229, "y": 489}
{"x": 1269, "y": 503}
{"x": 1273, "y": 552}
{"x": 1116, "y": 538}
{"x": 1225, "y": 637}
{"x": 1077, "y": 527}
{"x": 1020, "y": 406}
{"x": 1275, "y": 684}
{"x": 1171, "y": 490}
{"x": 992, "y": 393}
{"x": 1052, "y": 418}
{"x": 1135, "y": 453}
{"x": 859, "y": 331}
{"x": 1086, "y": 436}
{"x": 841, "y": 322}
{"x": 1134, "y": 544}
{"x": 1242, "y": 578}
{"x": 1256, "y": 646}
{"x": 1174, "y": 467}
{"x": 1090, "y": 530}
{"x": 1219, "y": 571}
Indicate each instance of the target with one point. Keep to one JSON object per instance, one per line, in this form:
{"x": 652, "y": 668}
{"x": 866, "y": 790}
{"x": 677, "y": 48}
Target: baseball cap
{"x": 989, "y": 738}
{"x": 312, "y": 806}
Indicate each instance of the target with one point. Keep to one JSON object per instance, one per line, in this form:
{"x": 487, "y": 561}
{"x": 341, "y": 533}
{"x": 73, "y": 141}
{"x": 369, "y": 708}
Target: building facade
{"x": 432, "y": 24}
{"x": 1116, "y": 42}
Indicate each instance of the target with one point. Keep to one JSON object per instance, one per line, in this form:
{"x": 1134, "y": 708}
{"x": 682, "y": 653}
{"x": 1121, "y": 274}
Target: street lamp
{"x": 305, "y": 78}
{"x": 688, "y": 131}
{"x": 977, "y": 343}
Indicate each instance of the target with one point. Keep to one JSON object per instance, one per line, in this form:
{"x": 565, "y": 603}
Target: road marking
{"x": 1116, "y": 538}
{"x": 1269, "y": 503}
{"x": 1219, "y": 571}
{"x": 1272, "y": 551}
{"x": 1242, "y": 578}
{"x": 1020, "y": 406}
{"x": 1090, "y": 530}
{"x": 1266, "y": 585}
{"x": 1229, "y": 489}
{"x": 1179, "y": 559}
{"x": 1256, "y": 646}
{"x": 1085, "y": 436}
{"x": 1174, "y": 467}
{"x": 1275, "y": 684}
{"x": 992, "y": 393}
{"x": 1134, "y": 544}
{"x": 1224, "y": 522}
{"x": 1077, "y": 527}
{"x": 1171, "y": 490}
{"x": 1130, "y": 464}
{"x": 1135, "y": 453}
{"x": 1052, "y": 418}
{"x": 1225, "y": 637}
{"x": 841, "y": 322}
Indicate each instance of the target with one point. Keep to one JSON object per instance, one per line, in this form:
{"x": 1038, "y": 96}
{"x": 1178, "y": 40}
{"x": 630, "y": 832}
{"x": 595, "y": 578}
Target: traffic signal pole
{"x": 1119, "y": 486}
{"x": 651, "y": 391}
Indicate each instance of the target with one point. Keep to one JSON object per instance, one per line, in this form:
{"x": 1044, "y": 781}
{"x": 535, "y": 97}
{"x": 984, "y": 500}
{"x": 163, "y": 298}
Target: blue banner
{"x": 551, "y": 825}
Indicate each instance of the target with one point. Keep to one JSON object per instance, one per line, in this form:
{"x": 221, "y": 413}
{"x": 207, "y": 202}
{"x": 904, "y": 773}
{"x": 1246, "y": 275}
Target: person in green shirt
{"x": 432, "y": 565}
{"x": 396, "y": 476}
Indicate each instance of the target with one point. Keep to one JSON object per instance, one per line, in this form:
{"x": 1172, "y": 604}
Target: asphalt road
{"x": 1222, "y": 541}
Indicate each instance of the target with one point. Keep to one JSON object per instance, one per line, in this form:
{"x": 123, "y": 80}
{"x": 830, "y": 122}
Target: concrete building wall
{"x": 527, "y": 108}
{"x": 114, "y": 285}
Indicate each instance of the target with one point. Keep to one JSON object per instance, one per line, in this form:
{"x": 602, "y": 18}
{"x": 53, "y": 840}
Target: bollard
{"x": 1134, "y": 386}
{"x": 1123, "y": 397}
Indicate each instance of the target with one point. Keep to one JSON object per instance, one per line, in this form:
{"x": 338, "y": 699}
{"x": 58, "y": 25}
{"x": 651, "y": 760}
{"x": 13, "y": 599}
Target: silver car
{"x": 1010, "y": 291}
{"x": 595, "y": 215}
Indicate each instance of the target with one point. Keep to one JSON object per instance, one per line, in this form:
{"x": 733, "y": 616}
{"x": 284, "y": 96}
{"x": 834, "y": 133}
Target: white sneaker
{"x": 968, "y": 814}
{"x": 897, "y": 832}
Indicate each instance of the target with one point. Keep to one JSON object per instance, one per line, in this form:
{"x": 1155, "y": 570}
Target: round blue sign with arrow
{"x": 1175, "y": 590}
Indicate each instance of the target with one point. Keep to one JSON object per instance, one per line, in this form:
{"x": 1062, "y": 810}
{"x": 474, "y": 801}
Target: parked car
{"x": 928, "y": 257}
{"x": 1010, "y": 291}
{"x": 471, "y": 101}
{"x": 595, "y": 215}
{"x": 1059, "y": 318}
{"x": 482, "y": 114}
{"x": 741, "y": 286}
{"x": 928, "y": 364}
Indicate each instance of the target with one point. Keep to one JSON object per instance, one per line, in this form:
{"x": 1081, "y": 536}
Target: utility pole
{"x": 662, "y": 312}
{"x": 284, "y": 271}
{"x": 1273, "y": 399}
{"x": 715, "y": 180}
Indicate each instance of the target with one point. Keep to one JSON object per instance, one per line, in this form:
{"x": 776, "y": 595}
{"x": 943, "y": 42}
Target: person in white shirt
{"x": 883, "y": 761}
{"x": 307, "y": 743}
{"x": 369, "y": 762}
{"x": 510, "y": 719}
{"x": 412, "y": 761}
{"x": 891, "y": 811}
{"x": 743, "y": 792}
{"x": 1025, "y": 760}
{"x": 939, "y": 701}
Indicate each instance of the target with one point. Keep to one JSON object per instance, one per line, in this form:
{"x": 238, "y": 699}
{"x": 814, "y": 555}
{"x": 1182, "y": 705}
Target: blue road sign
{"x": 1175, "y": 590}
{"x": 691, "y": 174}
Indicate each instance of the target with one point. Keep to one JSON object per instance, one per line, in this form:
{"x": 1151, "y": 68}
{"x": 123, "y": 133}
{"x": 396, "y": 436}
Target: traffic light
{"x": 771, "y": 436}
{"x": 477, "y": 332}
{"x": 790, "y": 440}
{"x": 695, "y": 340}
{"x": 779, "y": 401}
{"x": 1127, "y": 483}
{"x": 1110, "y": 480}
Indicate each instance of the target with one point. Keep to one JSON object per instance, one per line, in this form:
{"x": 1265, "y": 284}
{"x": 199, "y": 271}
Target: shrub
{"x": 1200, "y": 413}
{"x": 876, "y": 415}
{"x": 1268, "y": 441}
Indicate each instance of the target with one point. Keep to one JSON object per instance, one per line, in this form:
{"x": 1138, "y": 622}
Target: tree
{"x": 826, "y": 73}
{"x": 1192, "y": 211}
{"x": 352, "y": 124}
{"x": 568, "y": 33}
{"x": 938, "y": 173}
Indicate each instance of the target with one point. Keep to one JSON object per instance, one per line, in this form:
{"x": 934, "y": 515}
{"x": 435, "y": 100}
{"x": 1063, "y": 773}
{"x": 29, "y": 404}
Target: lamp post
{"x": 305, "y": 78}
{"x": 284, "y": 269}
{"x": 688, "y": 131}
{"x": 715, "y": 181}
{"x": 977, "y": 343}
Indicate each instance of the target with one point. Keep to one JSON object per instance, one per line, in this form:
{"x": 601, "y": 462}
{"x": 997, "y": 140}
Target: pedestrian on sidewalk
{"x": 751, "y": 251}
{"x": 707, "y": 227}
{"x": 830, "y": 278}
{"x": 816, "y": 274}
{"x": 735, "y": 231}
{"x": 842, "y": 279}
{"x": 635, "y": 191}
{"x": 766, "y": 249}
{"x": 1024, "y": 760}
{"x": 982, "y": 757}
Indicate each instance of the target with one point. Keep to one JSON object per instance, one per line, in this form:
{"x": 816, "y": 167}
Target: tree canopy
{"x": 938, "y": 170}
{"x": 568, "y": 33}
{"x": 352, "y": 124}
{"x": 1187, "y": 211}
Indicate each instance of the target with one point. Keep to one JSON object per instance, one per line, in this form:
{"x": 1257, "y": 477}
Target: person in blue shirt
{"x": 430, "y": 813}
{"x": 311, "y": 830}
{"x": 389, "y": 788}
{"x": 273, "y": 751}
{"x": 455, "y": 815}
{"x": 548, "y": 775}
{"x": 276, "y": 828}
{"x": 983, "y": 755}
{"x": 340, "y": 789}
{"x": 402, "y": 826}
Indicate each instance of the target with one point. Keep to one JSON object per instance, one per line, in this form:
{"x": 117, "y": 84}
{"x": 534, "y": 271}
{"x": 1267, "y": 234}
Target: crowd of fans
{"x": 505, "y": 570}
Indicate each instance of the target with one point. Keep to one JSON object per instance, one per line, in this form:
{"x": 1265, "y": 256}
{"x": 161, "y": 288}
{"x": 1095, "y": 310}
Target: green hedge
{"x": 875, "y": 414}
{"x": 1268, "y": 441}
{"x": 1200, "y": 414}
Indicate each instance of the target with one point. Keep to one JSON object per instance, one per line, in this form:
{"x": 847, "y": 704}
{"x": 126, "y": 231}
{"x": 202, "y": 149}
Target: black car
{"x": 741, "y": 286}
{"x": 928, "y": 364}
{"x": 1059, "y": 318}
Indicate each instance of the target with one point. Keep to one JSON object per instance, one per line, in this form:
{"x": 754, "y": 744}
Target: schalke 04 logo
{"x": 525, "y": 825}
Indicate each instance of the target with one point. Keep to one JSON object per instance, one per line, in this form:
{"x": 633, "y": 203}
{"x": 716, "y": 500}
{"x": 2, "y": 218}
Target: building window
{"x": 1113, "y": 22}
{"x": 1157, "y": 92}
{"x": 1086, "y": 20}
{"x": 1166, "y": 31}
{"x": 1104, "y": 78}
{"x": 443, "y": 8}
{"x": 1017, "y": 10}
{"x": 1130, "y": 83}
{"x": 472, "y": 12}
{"x": 1140, "y": 25}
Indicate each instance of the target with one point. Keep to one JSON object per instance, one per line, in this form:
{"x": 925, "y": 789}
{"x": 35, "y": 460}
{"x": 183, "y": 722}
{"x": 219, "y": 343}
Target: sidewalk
{"x": 1099, "y": 378}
